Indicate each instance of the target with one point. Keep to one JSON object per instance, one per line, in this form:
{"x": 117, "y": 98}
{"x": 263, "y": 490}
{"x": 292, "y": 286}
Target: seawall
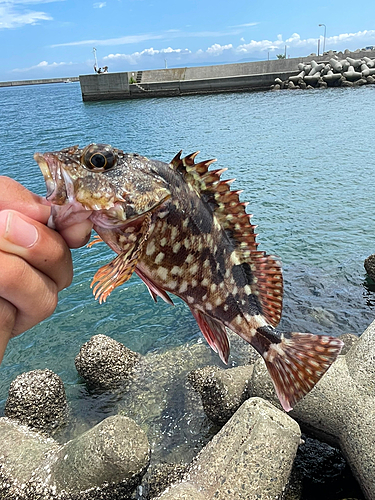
{"x": 17, "y": 83}
{"x": 237, "y": 77}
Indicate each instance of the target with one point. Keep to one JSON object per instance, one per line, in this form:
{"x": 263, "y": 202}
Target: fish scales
{"x": 182, "y": 229}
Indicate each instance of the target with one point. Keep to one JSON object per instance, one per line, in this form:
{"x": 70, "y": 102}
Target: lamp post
{"x": 324, "y": 39}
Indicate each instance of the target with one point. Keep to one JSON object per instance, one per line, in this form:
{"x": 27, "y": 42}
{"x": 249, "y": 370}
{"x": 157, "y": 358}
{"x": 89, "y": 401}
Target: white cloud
{"x": 217, "y": 49}
{"x": 15, "y": 13}
{"x": 99, "y": 5}
{"x": 10, "y": 18}
{"x": 258, "y": 49}
{"x": 42, "y": 65}
{"x": 246, "y": 25}
{"x": 136, "y": 57}
{"x": 129, "y": 39}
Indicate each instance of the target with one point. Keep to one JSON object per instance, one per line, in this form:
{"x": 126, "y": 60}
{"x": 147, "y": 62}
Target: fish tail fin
{"x": 297, "y": 362}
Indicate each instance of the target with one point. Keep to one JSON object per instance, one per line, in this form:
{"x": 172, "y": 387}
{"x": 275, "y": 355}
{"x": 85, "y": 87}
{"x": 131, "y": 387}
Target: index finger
{"x": 14, "y": 196}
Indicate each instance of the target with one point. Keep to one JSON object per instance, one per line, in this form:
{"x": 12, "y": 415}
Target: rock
{"x": 322, "y": 471}
{"x": 106, "y": 462}
{"x": 276, "y": 87}
{"x": 222, "y": 391}
{"x": 360, "y": 82}
{"x": 105, "y": 363}
{"x": 278, "y": 81}
{"x": 340, "y": 408}
{"x": 37, "y": 399}
{"x": 346, "y": 83}
{"x": 322, "y": 84}
{"x": 250, "y": 457}
{"x": 370, "y": 79}
{"x": 291, "y": 85}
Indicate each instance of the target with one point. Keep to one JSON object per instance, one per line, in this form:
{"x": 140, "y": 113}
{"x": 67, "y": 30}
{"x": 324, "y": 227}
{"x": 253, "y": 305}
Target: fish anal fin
{"x": 154, "y": 289}
{"x": 297, "y": 363}
{"x": 214, "y": 333}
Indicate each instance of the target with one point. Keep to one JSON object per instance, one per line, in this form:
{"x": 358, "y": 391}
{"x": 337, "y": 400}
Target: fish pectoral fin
{"x": 112, "y": 275}
{"x": 120, "y": 269}
{"x": 96, "y": 239}
{"x": 297, "y": 363}
{"x": 214, "y": 332}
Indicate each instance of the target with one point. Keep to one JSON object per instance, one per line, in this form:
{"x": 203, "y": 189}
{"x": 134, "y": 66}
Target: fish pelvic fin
{"x": 297, "y": 363}
{"x": 214, "y": 333}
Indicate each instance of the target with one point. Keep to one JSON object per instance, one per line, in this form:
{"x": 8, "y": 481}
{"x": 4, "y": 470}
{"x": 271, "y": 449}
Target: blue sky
{"x": 55, "y": 38}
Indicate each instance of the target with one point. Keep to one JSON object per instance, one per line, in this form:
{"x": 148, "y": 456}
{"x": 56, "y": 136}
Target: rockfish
{"x": 182, "y": 230}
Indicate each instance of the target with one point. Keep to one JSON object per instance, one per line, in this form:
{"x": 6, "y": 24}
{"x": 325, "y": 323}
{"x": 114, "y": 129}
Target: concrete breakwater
{"x": 337, "y": 72}
{"x": 255, "y": 446}
{"x": 238, "y": 77}
{"x": 18, "y": 83}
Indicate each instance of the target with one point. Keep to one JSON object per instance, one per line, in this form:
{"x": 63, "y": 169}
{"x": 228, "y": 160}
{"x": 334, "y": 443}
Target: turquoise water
{"x": 305, "y": 162}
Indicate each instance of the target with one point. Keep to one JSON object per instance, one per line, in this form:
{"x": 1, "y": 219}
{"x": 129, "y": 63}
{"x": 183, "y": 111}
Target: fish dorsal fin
{"x": 231, "y": 214}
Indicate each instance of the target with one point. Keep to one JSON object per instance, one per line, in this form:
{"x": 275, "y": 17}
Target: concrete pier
{"x": 238, "y": 77}
{"x": 18, "y": 83}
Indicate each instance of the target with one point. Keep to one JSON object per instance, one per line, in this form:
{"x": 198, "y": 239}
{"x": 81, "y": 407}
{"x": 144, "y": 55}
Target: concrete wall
{"x": 18, "y": 83}
{"x": 104, "y": 86}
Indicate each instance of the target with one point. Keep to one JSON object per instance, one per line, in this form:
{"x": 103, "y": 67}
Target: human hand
{"x": 35, "y": 261}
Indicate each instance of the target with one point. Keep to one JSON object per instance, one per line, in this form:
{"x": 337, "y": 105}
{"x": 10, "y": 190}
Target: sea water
{"x": 304, "y": 160}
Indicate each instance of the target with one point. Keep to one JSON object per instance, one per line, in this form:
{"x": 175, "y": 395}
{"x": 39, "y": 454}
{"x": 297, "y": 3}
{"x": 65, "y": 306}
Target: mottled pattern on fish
{"x": 184, "y": 231}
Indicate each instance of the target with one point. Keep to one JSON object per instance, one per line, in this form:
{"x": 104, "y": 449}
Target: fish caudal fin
{"x": 297, "y": 363}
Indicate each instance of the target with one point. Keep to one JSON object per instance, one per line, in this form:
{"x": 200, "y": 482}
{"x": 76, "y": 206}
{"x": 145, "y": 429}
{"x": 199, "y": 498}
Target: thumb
{"x": 7, "y": 320}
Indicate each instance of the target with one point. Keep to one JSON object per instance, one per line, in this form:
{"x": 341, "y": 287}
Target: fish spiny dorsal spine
{"x": 231, "y": 214}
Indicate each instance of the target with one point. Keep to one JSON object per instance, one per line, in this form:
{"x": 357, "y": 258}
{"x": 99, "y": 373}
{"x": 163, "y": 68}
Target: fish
{"x": 184, "y": 231}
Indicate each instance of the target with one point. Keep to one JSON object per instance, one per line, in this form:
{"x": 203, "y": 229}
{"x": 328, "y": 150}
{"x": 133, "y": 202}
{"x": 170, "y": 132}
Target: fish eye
{"x": 98, "y": 157}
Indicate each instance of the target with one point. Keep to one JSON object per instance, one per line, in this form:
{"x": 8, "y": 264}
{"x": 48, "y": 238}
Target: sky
{"x": 56, "y": 38}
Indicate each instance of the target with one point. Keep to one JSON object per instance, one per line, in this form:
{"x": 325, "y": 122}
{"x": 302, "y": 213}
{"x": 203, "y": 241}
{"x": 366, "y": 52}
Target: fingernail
{"x": 16, "y": 230}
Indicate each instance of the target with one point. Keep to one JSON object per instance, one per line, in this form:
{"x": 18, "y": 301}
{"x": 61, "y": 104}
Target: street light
{"x": 324, "y": 39}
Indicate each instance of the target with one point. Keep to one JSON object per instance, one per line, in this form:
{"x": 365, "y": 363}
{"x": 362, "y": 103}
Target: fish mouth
{"x": 46, "y": 171}
{"x": 66, "y": 210}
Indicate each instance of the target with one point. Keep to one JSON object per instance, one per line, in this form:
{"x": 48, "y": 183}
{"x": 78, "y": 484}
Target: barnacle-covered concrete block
{"x": 250, "y": 457}
{"x": 222, "y": 391}
{"x": 37, "y": 399}
{"x": 105, "y": 463}
{"x": 340, "y": 408}
{"x": 105, "y": 363}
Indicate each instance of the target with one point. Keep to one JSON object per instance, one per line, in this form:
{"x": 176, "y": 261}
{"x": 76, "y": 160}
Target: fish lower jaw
{"x": 64, "y": 216}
